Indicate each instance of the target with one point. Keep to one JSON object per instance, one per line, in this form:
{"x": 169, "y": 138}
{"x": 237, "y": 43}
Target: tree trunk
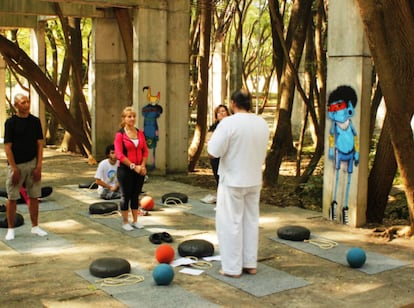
{"x": 282, "y": 140}
{"x": 381, "y": 176}
{"x": 21, "y": 62}
{"x": 200, "y": 132}
{"x": 390, "y": 33}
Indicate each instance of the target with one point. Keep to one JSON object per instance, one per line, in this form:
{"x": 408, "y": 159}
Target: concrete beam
{"x": 100, "y": 3}
{"x": 20, "y": 21}
{"x": 39, "y": 8}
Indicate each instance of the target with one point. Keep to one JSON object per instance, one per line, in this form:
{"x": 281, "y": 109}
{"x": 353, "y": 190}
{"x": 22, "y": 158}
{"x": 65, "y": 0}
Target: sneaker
{"x": 38, "y": 231}
{"x": 127, "y": 227}
{"x": 137, "y": 225}
{"x": 209, "y": 199}
{"x": 10, "y": 235}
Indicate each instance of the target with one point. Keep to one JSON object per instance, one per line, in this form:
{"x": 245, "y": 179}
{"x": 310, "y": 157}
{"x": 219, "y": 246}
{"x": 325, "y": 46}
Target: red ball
{"x": 147, "y": 203}
{"x": 164, "y": 253}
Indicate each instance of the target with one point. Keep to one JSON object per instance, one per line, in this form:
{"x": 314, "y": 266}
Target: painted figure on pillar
{"x": 151, "y": 112}
{"x": 343, "y": 146}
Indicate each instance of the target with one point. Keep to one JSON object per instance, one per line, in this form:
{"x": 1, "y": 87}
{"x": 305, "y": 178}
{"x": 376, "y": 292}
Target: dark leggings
{"x": 214, "y": 165}
{"x": 131, "y": 184}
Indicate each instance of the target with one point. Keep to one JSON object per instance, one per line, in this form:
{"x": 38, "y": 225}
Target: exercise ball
{"x": 147, "y": 203}
{"x": 163, "y": 274}
{"x": 164, "y": 253}
{"x": 356, "y": 257}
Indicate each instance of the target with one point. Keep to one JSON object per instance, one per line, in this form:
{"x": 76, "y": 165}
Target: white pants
{"x": 237, "y": 226}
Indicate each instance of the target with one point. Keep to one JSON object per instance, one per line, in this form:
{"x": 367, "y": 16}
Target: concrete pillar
{"x": 161, "y": 62}
{"x": 349, "y": 63}
{"x": 3, "y": 102}
{"x": 107, "y": 82}
{"x": 38, "y": 54}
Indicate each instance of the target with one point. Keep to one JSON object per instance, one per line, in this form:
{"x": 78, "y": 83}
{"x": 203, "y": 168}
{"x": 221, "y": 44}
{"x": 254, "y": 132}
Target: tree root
{"x": 393, "y": 232}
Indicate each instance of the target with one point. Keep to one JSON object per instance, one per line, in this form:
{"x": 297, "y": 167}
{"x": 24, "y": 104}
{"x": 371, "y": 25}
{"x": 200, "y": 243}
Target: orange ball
{"x": 147, "y": 203}
{"x": 164, "y": 253}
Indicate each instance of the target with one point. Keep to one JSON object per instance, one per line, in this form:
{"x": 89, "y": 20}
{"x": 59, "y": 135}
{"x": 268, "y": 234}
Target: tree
{"x": 390, "y": 32}
{"x": 17, "y": 59}
{"x": 294, "y": 42}
{"x": 200, "y": 132}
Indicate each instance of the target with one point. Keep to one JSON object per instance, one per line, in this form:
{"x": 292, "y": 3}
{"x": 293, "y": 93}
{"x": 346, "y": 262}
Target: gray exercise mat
{"x": 268, "y": 280}
{"x": 26, "y": 242}
{"x": 44, "y": 205}
{"x": 85, "y": 195}
{"x": 194, "y": 207}
{"x": 375, "y": 263}
{"x": 148, "y": 294}
{"x": 115, "y": 222}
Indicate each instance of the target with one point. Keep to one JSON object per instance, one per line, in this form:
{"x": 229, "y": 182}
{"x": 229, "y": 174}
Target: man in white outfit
{"x": 241, "y": 142}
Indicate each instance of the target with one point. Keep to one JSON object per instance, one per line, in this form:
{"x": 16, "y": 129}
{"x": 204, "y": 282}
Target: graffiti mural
{"x": 343, "y": 146}
{"x": 151, "y": 112}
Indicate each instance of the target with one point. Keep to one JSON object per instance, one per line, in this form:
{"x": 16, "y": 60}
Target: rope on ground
{"x": 174, "y": 201}
{"x": 121, "y": 280}
{"x": 322, "y": 243}
{"x": 106, "y": 215}
{"x": 200, "y": 264}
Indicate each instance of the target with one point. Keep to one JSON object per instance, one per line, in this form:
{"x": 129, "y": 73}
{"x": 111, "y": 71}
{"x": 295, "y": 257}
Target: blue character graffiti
{"x": 343, "y": 145}
{"x": 151, "y": 112}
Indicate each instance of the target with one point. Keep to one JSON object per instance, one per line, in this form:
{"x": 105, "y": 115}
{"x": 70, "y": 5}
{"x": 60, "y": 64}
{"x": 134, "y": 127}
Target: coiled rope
{"x": 322, "y": 243}
{"x": 174, "y": 201}
{"x": 200, "y": 264}
{"x": 106, "y": 215}
{"x": 121, "y": 280}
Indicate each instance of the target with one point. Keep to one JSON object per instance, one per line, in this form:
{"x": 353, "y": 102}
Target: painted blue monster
{"x": 343, "y": 143}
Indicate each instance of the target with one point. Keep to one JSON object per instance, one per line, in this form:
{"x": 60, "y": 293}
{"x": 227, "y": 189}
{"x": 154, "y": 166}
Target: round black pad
{"x": 109, "y": 267}
{"x": 174, "y": 198}
{"x": 103, "y": 207}
{"x": 196, "y": 248}
{"x": 293, "y": 233}
{"x": 46, "y": 191}
{"x": 18, "y": 221}
{"x": 90, "y": 185}
{"x": 3, "y": 192}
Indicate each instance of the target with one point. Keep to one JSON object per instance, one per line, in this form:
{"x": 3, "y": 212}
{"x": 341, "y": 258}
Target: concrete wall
{"x": 107, "y": 83}
{"x": 349, "y": 63}
{"x": 160, "y": 60}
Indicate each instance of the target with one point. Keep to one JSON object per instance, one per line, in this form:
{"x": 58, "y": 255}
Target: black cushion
{"x": 109, "y": 267}
{"x": 18, "y": 221}
{"x": 103, "y": 207}
{"x": 46, "y": 191}
{"x": 90, "y": 185}
{"x": 196, "y": 248}
{"x": 293, "y": 233}
{"x": 174, "y": 198}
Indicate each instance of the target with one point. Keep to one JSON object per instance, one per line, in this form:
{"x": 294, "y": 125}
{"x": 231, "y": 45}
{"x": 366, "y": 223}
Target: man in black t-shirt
{"x": 23, "y": 144}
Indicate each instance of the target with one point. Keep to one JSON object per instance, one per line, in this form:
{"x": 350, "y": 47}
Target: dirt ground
{"x": 49, "y": 280}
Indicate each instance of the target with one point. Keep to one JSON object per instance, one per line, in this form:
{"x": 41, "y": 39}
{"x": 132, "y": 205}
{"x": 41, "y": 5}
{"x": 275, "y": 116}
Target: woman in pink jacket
{"x": 132, "y": 152}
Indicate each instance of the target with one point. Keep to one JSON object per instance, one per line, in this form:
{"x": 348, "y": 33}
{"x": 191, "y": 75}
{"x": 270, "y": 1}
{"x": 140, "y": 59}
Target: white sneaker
{"x": 137, "y": 225}
{"x": 127, "y": 227}
{"x": 39, "y": 231}
{"x": 209, "y": 199}
{"x": 10, "y": 235}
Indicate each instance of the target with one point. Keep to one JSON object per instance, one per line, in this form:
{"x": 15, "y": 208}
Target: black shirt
{"x": 23, "y": 133}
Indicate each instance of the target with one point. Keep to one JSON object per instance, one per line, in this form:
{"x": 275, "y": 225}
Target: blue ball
{"x": 356, "y": 257}
{"x": 163, "y": 274}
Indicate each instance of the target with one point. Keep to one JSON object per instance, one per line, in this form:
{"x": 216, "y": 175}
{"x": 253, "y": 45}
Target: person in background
{"x": 220, "y": 112}
{"x": 105, "y": 176}
{"x": 240, "y": 141}
{"x": 23, "y": 145}
{"x": 132, "y": 152}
